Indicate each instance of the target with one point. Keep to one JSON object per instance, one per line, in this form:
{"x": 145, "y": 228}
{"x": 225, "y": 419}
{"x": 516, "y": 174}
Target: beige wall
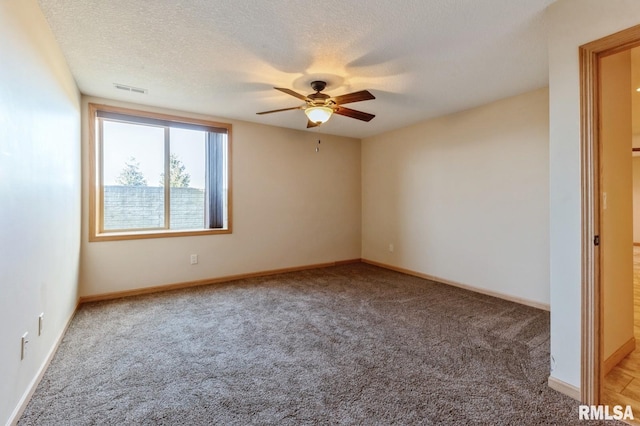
{"x": 617, "y": 208}
{"x": 571, "y": 24}
{"x": 291, "y": 207}
{"x": 464, "y": 197}
{"x": 39, "y": 196}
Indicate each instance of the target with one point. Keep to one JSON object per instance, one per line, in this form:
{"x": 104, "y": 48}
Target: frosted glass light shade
{"x": 318, "y": 115}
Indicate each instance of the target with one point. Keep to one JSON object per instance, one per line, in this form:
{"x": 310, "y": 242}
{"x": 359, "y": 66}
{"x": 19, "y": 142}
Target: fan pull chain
{"x": 318, "y": 146}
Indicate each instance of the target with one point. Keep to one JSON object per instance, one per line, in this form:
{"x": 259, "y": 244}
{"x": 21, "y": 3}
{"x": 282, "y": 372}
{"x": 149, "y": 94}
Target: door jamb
{"x": 591, "y": 374}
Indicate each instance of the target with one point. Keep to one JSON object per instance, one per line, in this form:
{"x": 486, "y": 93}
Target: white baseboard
{"x": 26, "y": 397}
{"x": 564, "y": 388}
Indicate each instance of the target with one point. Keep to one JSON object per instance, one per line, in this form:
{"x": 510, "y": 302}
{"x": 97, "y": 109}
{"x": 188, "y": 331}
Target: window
{"x": 155, "y": 175}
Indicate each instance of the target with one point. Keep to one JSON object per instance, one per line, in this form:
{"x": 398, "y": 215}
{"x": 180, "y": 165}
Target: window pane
{"x": 187, "y": 188}
{"x": 133, "y": 162}
{"x": 133, "y": 152}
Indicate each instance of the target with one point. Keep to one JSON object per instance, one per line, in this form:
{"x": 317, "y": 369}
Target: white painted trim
{"x": 538, "y": 305}
{"x": 26, "y": 397}
{"x": 564, "y": 388}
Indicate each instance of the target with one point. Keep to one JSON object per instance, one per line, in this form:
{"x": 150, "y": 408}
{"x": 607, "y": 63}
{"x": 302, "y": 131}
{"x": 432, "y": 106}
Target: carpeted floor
{"x": 352, "y": 344}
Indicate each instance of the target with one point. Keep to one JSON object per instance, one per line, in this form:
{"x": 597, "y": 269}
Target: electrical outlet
{"x": 40, "y": 323}
{"x": 23, "y": 346}
{"x": 194, "y": 259}
{"x": 391, "y": 248}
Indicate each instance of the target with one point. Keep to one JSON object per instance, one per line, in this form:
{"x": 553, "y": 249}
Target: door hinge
{"x": 596, "y": 240}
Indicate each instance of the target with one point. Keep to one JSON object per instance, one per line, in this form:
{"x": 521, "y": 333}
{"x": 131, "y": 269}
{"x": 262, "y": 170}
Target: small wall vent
{"x": 130, "y": 88}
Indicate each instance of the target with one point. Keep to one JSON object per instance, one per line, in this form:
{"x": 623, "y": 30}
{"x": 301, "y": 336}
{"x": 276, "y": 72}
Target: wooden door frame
{"x": 591, "y": 374}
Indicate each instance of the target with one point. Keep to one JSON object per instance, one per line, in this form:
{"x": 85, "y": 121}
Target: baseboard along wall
{"x": 543, "y": 306}
{"x": 615, "y": 358}
{"x": 564, "y": 388}
{"x": 228, "y": 278}
{"x": 26, "y": 397}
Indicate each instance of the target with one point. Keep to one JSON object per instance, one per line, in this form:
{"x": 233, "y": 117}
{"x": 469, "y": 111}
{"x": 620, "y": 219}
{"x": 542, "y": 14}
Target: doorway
{"x": 621, "y": 385}
{"x": 594, "y": 205}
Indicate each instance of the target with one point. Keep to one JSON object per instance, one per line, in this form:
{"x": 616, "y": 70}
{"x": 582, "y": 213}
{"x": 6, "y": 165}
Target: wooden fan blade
{"x": 278, "y": 110}
{"x": 363, "y": 95}
{"x": 292, "y": 93}
{"x": 358, "y": 115}
{"x": 311, "y": 124}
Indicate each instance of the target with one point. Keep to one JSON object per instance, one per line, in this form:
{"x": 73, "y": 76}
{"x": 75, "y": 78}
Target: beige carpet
{"x": 353, "y": 344}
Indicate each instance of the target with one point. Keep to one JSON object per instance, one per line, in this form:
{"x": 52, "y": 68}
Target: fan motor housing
{"x": 318, "y": 86}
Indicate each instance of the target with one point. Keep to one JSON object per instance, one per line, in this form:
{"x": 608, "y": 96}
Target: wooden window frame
{"x": 95, "y": 186}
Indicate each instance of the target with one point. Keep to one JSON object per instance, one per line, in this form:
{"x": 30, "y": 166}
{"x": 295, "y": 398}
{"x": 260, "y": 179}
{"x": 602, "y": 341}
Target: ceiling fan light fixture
{"x": 318, "y": 114}
{"x": 319, "y": 107}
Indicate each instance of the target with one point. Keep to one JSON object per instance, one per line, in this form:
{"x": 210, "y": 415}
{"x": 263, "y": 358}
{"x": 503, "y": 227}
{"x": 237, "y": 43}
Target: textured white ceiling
{"x": 420, "y": 58}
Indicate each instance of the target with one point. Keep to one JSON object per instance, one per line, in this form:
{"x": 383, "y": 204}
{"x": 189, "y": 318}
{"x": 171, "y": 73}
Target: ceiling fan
{"x": 319, "y": 106}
